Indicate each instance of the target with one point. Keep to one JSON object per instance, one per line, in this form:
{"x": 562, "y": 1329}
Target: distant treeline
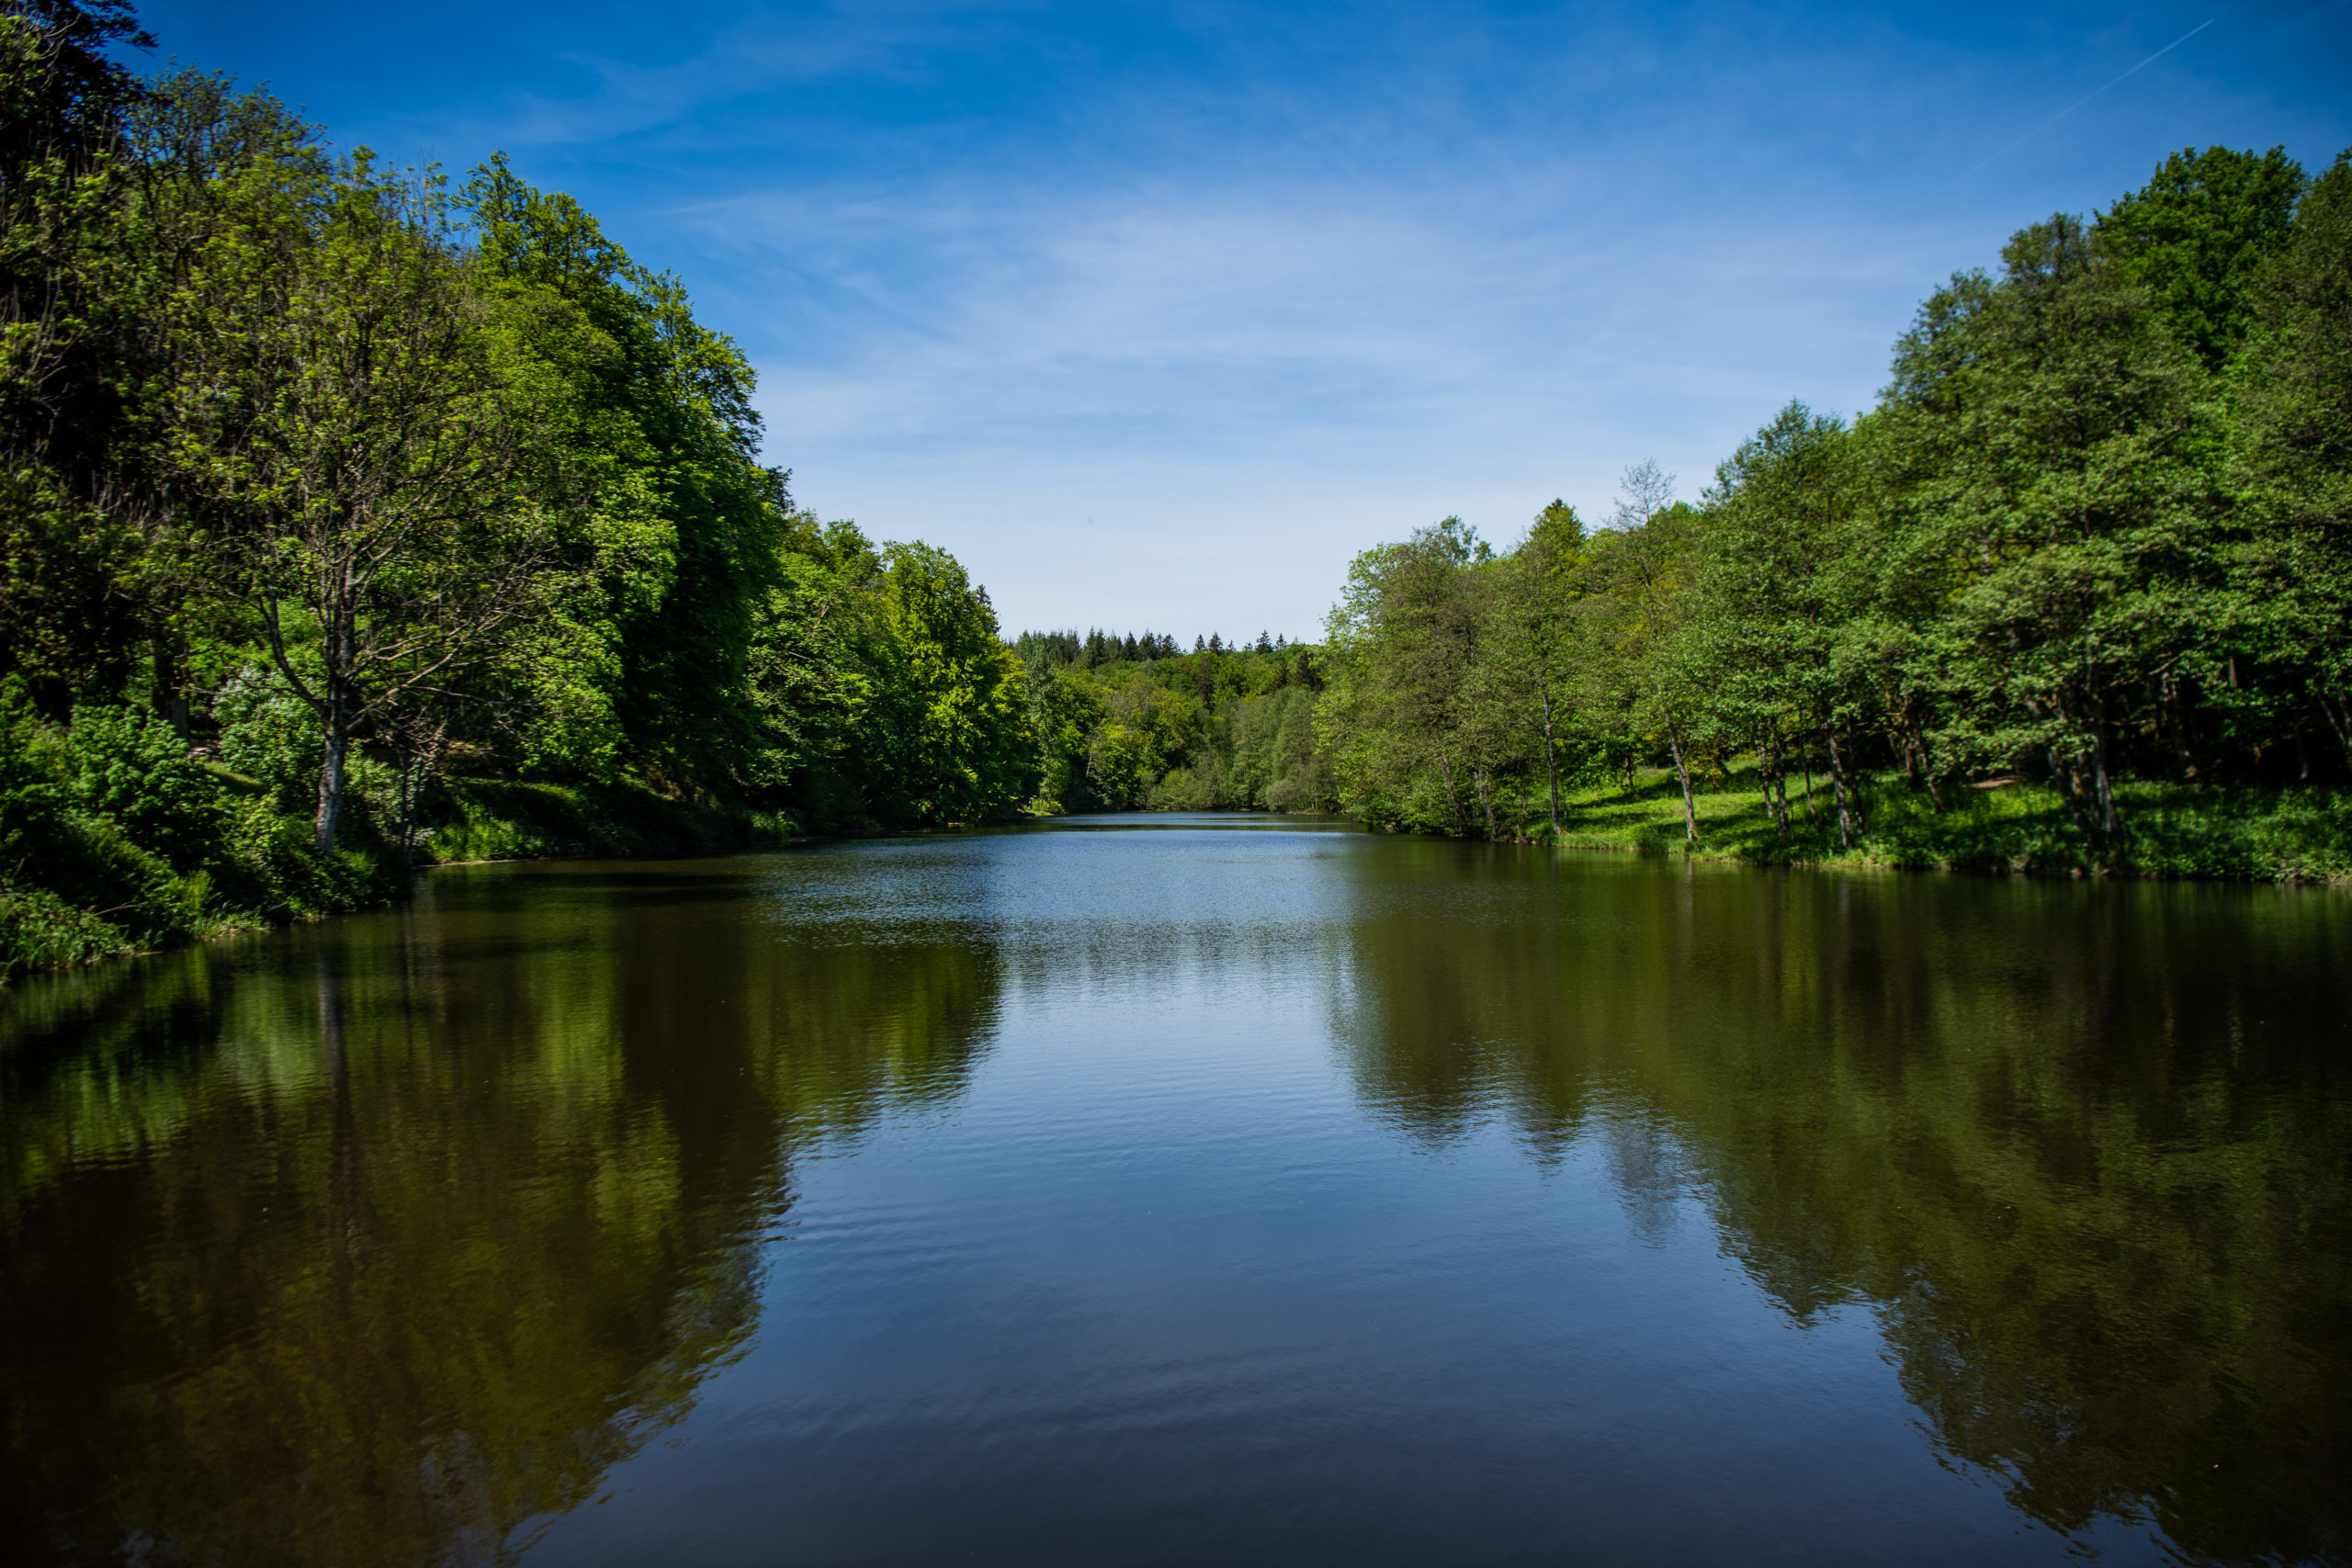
{"x": 1098, "y": 647}
{"x": 1128, "y": 722}
{"x": 2097, "y": 530}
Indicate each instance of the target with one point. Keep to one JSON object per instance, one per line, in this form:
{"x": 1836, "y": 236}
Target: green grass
{"x": 2173, "y": 830}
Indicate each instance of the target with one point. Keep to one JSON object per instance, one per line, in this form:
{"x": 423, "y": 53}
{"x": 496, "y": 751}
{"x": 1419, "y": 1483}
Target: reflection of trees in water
{"x": 2086, "y": 1151}
{"x": 376, "y": 1244}
{"x": 1650, "y": 1171}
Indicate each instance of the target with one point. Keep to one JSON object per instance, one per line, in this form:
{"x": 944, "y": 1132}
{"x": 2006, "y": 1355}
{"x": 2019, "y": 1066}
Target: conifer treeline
{"x": 2099, "y": 530}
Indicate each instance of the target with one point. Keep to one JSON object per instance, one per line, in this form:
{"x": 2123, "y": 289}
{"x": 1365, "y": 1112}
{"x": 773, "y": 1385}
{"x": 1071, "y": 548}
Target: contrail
{"x": 2062, "y": 114}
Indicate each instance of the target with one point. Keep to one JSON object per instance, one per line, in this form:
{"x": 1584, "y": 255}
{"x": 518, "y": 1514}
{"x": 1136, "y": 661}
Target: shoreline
{"x": 2226, "y": 848}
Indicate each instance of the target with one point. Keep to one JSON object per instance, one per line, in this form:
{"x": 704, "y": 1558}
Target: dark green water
{"x": 1182, "y": 1190}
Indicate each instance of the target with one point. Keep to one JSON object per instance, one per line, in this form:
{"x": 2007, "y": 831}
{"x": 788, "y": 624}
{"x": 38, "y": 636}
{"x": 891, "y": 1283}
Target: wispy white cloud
{"x": 1156, "y": 314}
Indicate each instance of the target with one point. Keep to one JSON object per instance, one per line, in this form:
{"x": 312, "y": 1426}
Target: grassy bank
{"x": 114, "y": 840}
{"x": 2297, "y": 835}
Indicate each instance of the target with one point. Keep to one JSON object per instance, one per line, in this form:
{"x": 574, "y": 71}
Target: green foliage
{"x": 493, "y": 818}
{"x": 2196, "y": 237}
{"x": 360, "y": 484}
{"x": 353, "y": 481}
{"x": 113, "y": 839}
{"x": 1277, "y": 764}
{"x": 266, "y": 734}
{"x": 956, "y": 741}
{"x": 2093, "y": 538}
{"x": 2248, "y": 832}
{"x": 1130, "y": 722}
{"x": 656, "y": 419}
{"x": 2292, "y": 400}
{"x": 130, "y": 766}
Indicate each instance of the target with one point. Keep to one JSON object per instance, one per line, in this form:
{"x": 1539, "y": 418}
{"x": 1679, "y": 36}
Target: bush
{"x": 41, "y": 930}
{"x": 268, "y": 734}
{"x": 130, "y": 767}
{"x": 114, "y": 840}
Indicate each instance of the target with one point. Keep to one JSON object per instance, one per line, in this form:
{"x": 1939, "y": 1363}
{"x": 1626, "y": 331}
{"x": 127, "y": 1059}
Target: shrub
{"x": 130, "y": 767}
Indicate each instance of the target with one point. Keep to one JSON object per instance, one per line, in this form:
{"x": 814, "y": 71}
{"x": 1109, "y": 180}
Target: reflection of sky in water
{"x": 1309, "y": 1171}
{"x": 1178, "y": 1190}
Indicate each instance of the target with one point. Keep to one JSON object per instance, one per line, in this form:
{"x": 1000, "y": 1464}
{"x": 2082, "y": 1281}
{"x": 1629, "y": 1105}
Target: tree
{"x": 1776, "y": 597}
{"x": 1405, "y": 640}
{"x": 1637, "y": 618}
{"x": 1534, "y": 636}
{"x": 2292, "y": 450}
{"x": 74, "y": 534}
{"x": 666, "y": 406}
{"x": 341, "y": 401}
{"x": 2196, "y": 234}
{"x": 958, "y": 735}
{"x": 2047, "y": 427}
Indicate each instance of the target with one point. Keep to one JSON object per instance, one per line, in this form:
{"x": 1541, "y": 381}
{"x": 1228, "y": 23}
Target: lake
{"x": 1184, "y": 1189}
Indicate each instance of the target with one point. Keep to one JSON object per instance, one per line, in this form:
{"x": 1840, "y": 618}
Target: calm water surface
{"x": 1191, "y": 1189}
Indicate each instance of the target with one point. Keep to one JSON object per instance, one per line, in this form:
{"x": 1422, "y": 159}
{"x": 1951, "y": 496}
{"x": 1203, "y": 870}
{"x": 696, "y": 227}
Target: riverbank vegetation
{"x": 351, "y": 516}
{"x": 354, "y": 517}
{"x": 2077, "y": 595}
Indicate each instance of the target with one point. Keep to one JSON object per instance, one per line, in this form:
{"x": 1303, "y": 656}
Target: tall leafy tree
{"x": 72, "y": 531}
{"x": 2049, "y": 425}
{"x": 1645, "y": 659}
{"x": 2292, "y": 456}
{"x": 1779, "y": 597}
{"x": 670, "y": 401}
{"x": 342, "y": 401}
{"x": 1533, "y": 636}
{"x": 952, "y": 723}
{"x": 2196, "y": 234}
{"x": 1405, "y": 642}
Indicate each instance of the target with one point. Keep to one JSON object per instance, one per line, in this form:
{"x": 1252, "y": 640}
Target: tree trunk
{"x": 420, "y": 752}
{"x": 2180, "y": 729}
{"x": 1452, "y": 796}
{"x": 1768, "y": 757}
{"x": 1486, "y": 801}
{"x": 1925, "y": 775}
{"x": 2063, "y": 776}
{"x": 337, "y": 650}
{"x": 2339, "y": 719}
{"x": 408, "y": 815}
{"x": 2102, "y": 782}
{"x": 331, "y": 769}
{"x": 1551, "y": 767}
{"x": 1682, "y": 772}
{"x": 1848, "y": 817}
{"x": 170, "y": 683}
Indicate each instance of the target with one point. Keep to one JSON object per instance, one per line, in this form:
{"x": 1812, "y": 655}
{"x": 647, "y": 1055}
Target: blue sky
{"x": 1156, "y": 314}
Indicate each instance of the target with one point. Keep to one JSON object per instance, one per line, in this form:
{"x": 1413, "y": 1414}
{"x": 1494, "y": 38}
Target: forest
{"x": 355, "y": 518}
{"x": 2076, "y": 595}
{"x": 1128, "y": 723}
